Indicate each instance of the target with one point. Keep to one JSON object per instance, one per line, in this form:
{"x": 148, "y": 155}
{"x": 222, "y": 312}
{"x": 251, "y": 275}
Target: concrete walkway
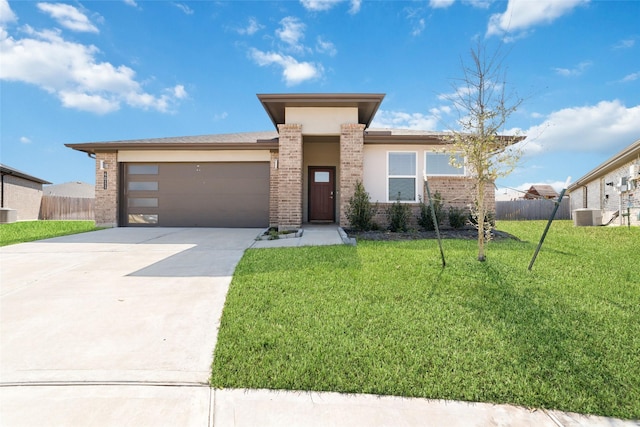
{"x": 312, "y": 235}
{"x": 117, "y": 327}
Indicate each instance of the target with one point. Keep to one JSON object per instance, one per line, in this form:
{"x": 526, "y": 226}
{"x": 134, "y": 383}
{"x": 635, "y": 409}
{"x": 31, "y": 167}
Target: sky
{"x": 87, "y": 71}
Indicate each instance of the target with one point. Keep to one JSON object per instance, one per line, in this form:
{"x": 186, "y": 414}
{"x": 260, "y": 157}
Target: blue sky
{"x": 88, "y": 71}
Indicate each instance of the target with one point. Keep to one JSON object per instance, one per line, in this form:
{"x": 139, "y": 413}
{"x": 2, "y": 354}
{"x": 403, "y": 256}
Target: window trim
{"x": 464, "y": 166}
{"x": 414, "y": 176}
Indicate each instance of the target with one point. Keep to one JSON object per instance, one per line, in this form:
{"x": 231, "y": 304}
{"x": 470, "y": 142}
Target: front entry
{"x": 322, "y": 205}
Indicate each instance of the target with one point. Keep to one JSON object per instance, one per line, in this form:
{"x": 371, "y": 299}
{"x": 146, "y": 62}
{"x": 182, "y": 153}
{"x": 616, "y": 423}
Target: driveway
{"x": 132, "y": 306}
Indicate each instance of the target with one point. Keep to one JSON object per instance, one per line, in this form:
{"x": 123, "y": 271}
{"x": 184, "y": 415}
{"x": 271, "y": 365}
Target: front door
{"x": 322, "y": 206}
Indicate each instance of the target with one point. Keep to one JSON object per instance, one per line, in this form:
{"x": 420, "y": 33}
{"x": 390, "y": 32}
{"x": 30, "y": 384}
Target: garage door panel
{"x": 204, "y": 195}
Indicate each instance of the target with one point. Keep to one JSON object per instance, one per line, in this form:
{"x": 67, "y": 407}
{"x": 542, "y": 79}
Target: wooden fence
{"x": 67, "y": 208}
{"x": 532, "y": 209}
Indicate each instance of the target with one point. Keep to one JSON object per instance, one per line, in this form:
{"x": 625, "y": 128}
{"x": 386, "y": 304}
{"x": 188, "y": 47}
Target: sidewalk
{"x": 312, "y": 235}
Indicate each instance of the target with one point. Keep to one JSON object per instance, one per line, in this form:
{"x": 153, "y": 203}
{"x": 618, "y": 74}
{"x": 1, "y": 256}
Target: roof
{"x": 6, "y": 170}
{"x": 275, "y": 104}
{"x": 620, "y": 159}
{"x": 80, "y": 190}
{"x": 543, "y": 190}
{"x": 237, "y": 141}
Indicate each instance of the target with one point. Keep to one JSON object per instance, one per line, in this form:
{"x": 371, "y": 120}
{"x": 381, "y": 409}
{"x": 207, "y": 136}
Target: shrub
{"x": 457, "y": 217}
{"x": 398, "y": 216}
{"x": 425, "y": 220}
{"x": 360, "y": 210}
{"x": 490, "y": 219}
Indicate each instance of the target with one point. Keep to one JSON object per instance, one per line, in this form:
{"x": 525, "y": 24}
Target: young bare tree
{"x": 483, "y": 106}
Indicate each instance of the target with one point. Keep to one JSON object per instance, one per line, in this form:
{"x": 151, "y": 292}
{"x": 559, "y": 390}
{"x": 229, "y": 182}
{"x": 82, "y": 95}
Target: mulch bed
{"x": 467, "y": 233}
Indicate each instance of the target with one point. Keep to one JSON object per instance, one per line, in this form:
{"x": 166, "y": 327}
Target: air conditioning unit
{"x": 587, "y": 217}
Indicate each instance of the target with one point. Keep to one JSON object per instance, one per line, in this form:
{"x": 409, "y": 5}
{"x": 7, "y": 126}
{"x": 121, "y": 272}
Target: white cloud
{"x": 183, "y": 7}
{"x": 402, "y": 120}
{"x": 323, "y": 5}
{"x": 71, "y": 71}
{"x": 221, "y": 116}
{"x": 68, "y": 16}
{"x": 524, "y": 14}
{"x": 131, "y": 3}
{"x": 252, "y": 27}
{"x": 625, "y": 44}
{"x": 630, "y": 77}
{"x": 293, "y": 72}
{"x": 419, "y": 28}
{"x": 25, "y": 140}
{"x": 327, "y": 47}
{"x": 6, "y": 14}
{"x": 594, "y": 128}
{"x": 291, "y": 32}
{"x": 440, "y": 4}
{"x": 576, "y": 71}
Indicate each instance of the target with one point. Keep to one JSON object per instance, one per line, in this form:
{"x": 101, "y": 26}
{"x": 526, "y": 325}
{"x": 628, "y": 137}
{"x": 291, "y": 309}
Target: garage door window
{"x": 143, "y": 202}
{"x": 143, "y": 186}
{"x": 143, "y": 169}
{"x": 143, "y": 219}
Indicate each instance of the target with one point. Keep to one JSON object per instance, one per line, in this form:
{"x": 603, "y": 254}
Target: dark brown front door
{"x": 322, "y": 205}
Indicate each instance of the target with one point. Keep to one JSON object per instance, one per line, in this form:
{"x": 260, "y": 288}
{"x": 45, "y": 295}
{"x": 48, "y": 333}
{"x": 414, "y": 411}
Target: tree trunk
{"x": 480, "y": 218}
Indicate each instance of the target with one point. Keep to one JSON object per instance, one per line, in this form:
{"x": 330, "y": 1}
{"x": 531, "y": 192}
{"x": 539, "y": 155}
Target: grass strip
{"x": 28, "y": 231}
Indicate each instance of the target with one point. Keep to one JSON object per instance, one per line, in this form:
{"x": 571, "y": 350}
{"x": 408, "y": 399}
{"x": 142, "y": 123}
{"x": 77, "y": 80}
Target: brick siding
{"x": 290, "y": 177}
{"x": 351, "y": 164}
{"x": 24, "y": 196}
{"x": 273, "y": 190}
{"x": 106, "y": 212}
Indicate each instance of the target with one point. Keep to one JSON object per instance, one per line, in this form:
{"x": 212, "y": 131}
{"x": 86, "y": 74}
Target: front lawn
{"x": 384, "y": 318}
{"x": 27, "y": 231}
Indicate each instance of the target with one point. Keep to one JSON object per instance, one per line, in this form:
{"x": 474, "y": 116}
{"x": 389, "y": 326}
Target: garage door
{"x": 196, "y": 194}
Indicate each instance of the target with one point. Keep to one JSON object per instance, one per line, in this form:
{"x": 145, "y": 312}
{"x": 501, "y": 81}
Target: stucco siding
{"x": 194, "y": 156}
{"x": 24, "y": 196}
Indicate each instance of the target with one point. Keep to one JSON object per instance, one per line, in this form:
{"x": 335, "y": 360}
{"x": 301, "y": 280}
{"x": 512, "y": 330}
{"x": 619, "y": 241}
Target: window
{"x": 143, "y": 186}
{"x": 143, "y": 219}
{"x": 439, "y": 164}
{"x": 319, "y": 176}
{"x": 143, "y": 202}
{"x": 401, "y": 176}
{"x": 143, "y": 169}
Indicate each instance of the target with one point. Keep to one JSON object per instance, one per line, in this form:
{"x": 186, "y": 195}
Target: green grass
{"x": 384, "y": 318}
{"x": 28, "y": 231}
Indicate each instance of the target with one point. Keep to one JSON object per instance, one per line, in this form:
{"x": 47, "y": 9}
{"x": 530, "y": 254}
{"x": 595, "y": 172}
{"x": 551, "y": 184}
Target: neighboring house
{"x": 78, "y": 190}
{"x": 306, "y": 171}
{"x": 612, "y": 189}
{"x": 21, "y": 192}
{"x": 541, "y": 192}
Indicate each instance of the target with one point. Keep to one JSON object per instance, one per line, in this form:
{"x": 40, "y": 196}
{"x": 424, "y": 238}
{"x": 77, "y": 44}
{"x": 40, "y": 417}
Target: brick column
{"x": 351, "y": 164}
{"x": 273, "y": 190}
{"x": 290, "y": 177}
{"x": 106, "y": 208}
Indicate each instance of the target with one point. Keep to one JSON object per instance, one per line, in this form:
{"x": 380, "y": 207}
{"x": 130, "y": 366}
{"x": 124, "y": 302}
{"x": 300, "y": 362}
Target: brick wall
{"x": 290, "y": 177}
{"x": 351, "y": 164}
{"x": 106, "y": 211}
{"x": 455, "y": 191}
{"x": 24, "y": 196}
{"x": 273, "y": 190}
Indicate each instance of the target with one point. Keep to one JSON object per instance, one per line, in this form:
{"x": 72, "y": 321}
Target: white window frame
{"x": 464, "y": 165}
{"x": 414, "y": 176}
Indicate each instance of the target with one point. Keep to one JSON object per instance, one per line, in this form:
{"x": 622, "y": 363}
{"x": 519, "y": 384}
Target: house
{"x": 20, "y": 195}
{"x": 541, "y": 192}
{"x": 612, "y": 189}
{"x": 304, "y": 171}
{"x": 76, "y": 190}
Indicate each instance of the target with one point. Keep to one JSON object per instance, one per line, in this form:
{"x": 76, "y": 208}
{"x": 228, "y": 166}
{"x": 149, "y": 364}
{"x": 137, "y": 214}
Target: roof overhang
{"x": 275, "y": 104}
{"x": 93, "y": 147}
{"x": 627, "y": 155}
{"x": 6, "y": 170}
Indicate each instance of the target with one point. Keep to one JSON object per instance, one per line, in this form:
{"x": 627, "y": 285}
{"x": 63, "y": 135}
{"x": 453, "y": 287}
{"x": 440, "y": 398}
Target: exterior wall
{"x": 321, "y": 120}
{"x": 319, "y": 154}
{"x": 290, "y": 177}
{"x": 607, "y": 198}
{"x": 24, "y": 196}
{"x": 194, "y": 156}
{"x": 273, "y": 189}
{"x": 106, "y": 211}
{"x": 351, "y": 165}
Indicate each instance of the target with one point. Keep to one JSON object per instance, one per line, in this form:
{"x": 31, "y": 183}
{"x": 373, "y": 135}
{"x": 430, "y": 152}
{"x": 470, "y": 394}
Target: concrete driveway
{"x": 135, "y": 307}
